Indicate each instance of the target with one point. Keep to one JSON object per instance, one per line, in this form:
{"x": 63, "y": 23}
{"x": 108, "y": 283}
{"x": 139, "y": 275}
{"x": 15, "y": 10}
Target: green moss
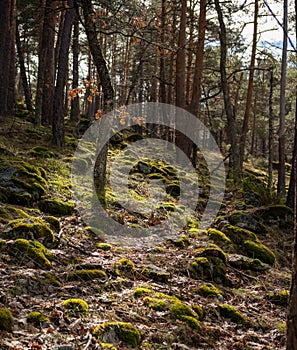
{"x": 179, "y": 309}
{"x": 3, "y": 245}
{"x": 280, "y": 298}
{"x": 9, "y": 213}
{"x": 209, "y": 290}
{"x": 182, "y": 242}
{"x": 233, "y": 314}
{"x": 86, "y": 275}
{"x": 125, "y": 264}
{"x": 107, "y": 346}
{"x": 158, "y": 250}
{"x": 76, "y": 306}
{"x": 103, "y": 246}
{"x": 259, "y": 251}
{"x": 30, "y": 228}
{"x": 32, "y": 250}
{"x": 56, "y": 206}
{"x": 6, "y": 320}
{"x": 199, "y": 311}
{"x": 276, "y": 211}
{"x": 37, "y": 318}
{"x": 41, "y": 152}
{"x": 192, "y": 322}
{"x": 218, "y": 237}
{"x": 53, "y": 222}
{"x": 238, "y": 235}
{"x": 120, "y": 332}
{"x": 51, "y": 280}
{"x": 213, "y": 251}
{"x": 211, "y": 268}
{"x": 156, "y": 275}
{"x": 155, "y": 303}
{"x": 140, "y": 292}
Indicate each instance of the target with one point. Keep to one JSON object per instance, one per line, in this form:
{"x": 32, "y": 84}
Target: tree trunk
{"x": 7, "y": 57}
{"x": 75, "y": 109}
{"x": 23, "y": 74}
{"x": 59, "y": 95}
{"x": 270, "y": 129}
{"x": 281, "y": 183}
{"x": 249, "y": 98}
{"x": 105, "y": 81}
{"x": 235, "y": 171}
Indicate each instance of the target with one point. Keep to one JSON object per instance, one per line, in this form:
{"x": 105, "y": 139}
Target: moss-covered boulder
{"x": 76, "y": 307}
{"x": 156, "y": 304}
{"x": 183, "y": 312}
{"x": 238, "y": 234}
{"x": 6, "y": 320}
{"x": 21, "y": 183}
{"x": 125, "y": 265}
{"x": 230, "y": 312}
{"x": 276, "y": 215}
{"x": 156, "y": 274}
{"x": 140, "y": 292}
{"x": 118, "y": 332}
{"x": 209, "y": 290}
{"x": 56, "y": 206}
{"x": 34, "y": 251}
{"x": 30, "y": 228}
{"x": 249, "y": 264}
{"x": 259, "y": 251}
{"x": 9, "y": 213}
{"x": 103, "y": 246}
{"x": 218, "y": 237}
{"x": 37, "y": 318}
{"x": 246, "y": 219}
{"x": 86, "y": 275}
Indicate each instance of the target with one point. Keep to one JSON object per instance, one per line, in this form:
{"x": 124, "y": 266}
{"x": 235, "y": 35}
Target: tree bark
{"x": 7, "y": 56}
{"x": 249, "y": 98}
{"x": 235, "y": 170}
{"x": 281, "y": 183}
{"x": 23, "y": 74}
{"x": 75, "y": 108}
{"x": 59, "y": 95}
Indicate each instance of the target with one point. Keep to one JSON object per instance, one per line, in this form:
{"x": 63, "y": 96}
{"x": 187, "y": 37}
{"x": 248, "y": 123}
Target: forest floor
{"x": 158, "y": 298}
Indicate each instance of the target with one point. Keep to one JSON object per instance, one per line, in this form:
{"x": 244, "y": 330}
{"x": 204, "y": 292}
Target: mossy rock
{"x": 139, "y": 292}
{"x": 210, "y": 269}
{"x": 126, "y": 265}
{"x": 182, "y": 312}
{"x": 218, "y": 237}
{"x": 41, "y": 152}
{"x": 199, "y": 311}
{"x": 155, "y": 303}
{"x": 76, "y": 306}
{"x": 118, "y": 332}
{"x": 230, "y": 312}
{"x": 31, "y": 251}
{"x": 156, "y": 274}
{"x": 103, "y": 246}
{"x": 9, "y": 213}
{"x": 6, "y": 320}
{"x": 277, "y": 214}
{"x": 30, "y": 228}
{"x": 246, "y": 219}
{"x": 108, "y": 346}
{"x": 51, "y": 280}
{"x": 181, "y": 242}
{"x": 37, "y": 318}
{"x": 211, "y": 252}
{"x": 280, "y": 298}
{"x": 86, "y": 275}
{"x": 244, "y": 263}
{"x": 259, "y": 251}
{"x": 209, "y": 290}
{"x": 118, "y": 284}
{"x": 238, "y": 235}
{"x": 3, "y": 245}
{"x": 56, "y": 206}
{"x": 53, "y": 222}
{"x": 192, "y": 322}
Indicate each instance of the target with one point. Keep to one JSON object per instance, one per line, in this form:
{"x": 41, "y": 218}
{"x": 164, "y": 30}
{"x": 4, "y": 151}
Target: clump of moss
{"x": 32, "y": 250}
{"x": 51, "y": 280}
{"x": 103, "y": 246}
{"x": 280, "y": 298}
{"x": 86, "y": 275}
{"x": 209, "y": 290}
{"x": 6, "y": 320}
{"x": 155, "y": 303}
{"x": 30, "y": 228}
{"x": 37, "y": 318}
{"x": 233, "y": 314}
{"x": 210, "y": 264}
{"x": 56, "y": 206}
{"x": 238, "y": 235}
{"x": 107, "y": 346}
{"x": 3, "y": 245}
{"x": 140, "y": 292}
{"x": 125, "y": 264}
{"x": 192, "y": 322}
{"x": 259, "y": 251}
{"x": 156, "y": 274}
{"x": 158, "y": 250}
{"x": 199, "y": 311}
{"x": 181, "y": 242}
{"x": 41, "y": 152}
{"x": 218, "y": 237}
{"x": 118, "y": 332}
{"x": 248, "y": 264}
{"x": 76, "y": 306}
{"x": 53, "y": 222}
{"x": 183, "y": 312}
{"x": 9, "y": 213}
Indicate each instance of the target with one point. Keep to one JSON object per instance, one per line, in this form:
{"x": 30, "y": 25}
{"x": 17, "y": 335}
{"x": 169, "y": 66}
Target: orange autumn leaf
{"x": 90, "y": 99}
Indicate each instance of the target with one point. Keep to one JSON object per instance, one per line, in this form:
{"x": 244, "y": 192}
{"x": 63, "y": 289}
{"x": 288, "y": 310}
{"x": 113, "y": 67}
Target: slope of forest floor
{"x": 178, "y": 295}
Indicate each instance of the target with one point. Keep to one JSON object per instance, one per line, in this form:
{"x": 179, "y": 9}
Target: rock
{"x": 75, "y": 307}
{"x": 259, "y": 251}
{"x": 56, "y": 206}
{"x": 243, "y": 262}
{"x": 233, "y": 314}
{"x": 156, "y": 274}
